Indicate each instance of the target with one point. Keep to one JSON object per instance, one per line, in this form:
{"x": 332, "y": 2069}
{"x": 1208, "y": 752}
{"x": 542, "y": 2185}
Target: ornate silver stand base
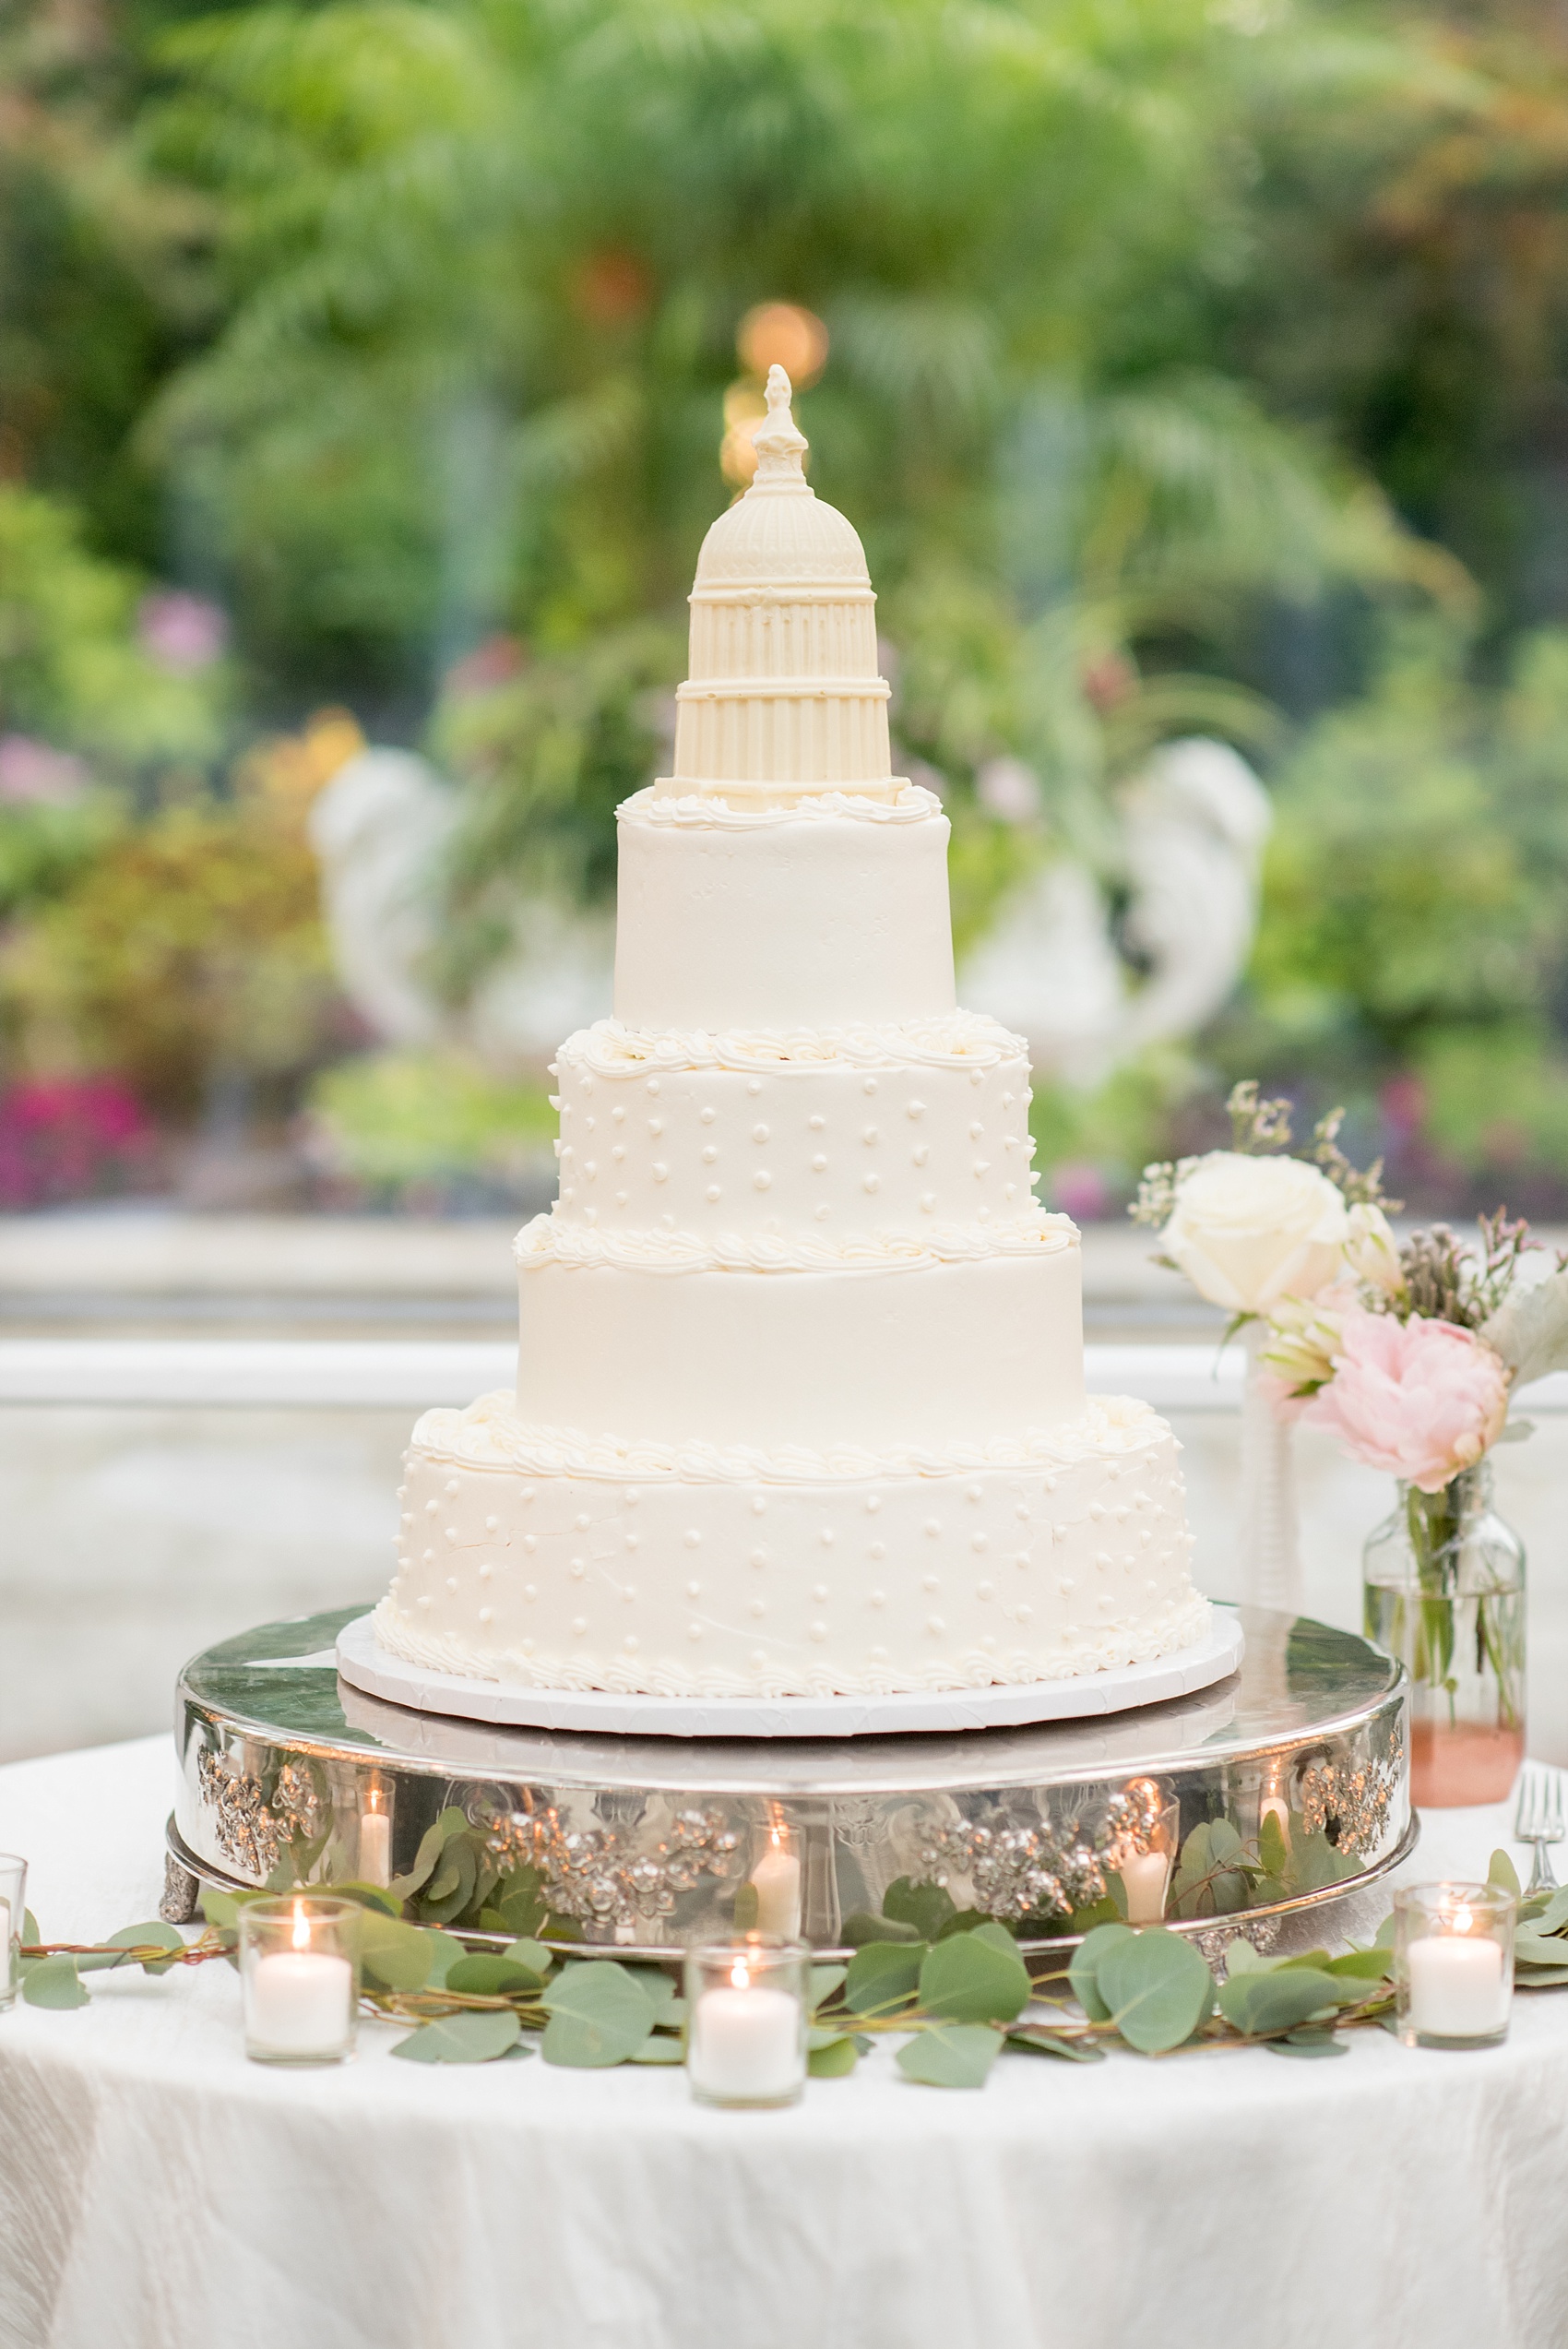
{"x": 1275, "y": 1792}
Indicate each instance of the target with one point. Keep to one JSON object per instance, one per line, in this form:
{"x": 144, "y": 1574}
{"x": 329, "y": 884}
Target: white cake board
{"x": 364, "y": 1662}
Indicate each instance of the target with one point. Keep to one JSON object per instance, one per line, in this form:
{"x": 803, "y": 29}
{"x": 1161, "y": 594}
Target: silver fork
{"x": 1539, "y": 1820}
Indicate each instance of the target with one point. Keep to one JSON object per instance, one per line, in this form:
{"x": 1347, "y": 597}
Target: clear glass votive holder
{"x": 300, "y": 1973}
{"x": 13, "y": 1909}
{"x": 746, "y": 2020}
{"x": 1453, "y": 1964}
{"x": 1144, "y": 1857}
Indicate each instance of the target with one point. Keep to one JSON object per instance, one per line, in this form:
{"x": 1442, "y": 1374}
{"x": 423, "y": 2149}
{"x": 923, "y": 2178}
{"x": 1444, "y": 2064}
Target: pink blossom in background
{"x": 68, "y": 1138}
{"x": 1080, "y": 1190}
{"x": 181, "y": 633}
{"x": 1421, "y": 1399}
{"x": 34, "y": 774}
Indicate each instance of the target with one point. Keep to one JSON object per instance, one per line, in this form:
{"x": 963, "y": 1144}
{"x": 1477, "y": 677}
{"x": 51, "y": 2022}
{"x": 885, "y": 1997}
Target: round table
{"x": 157, "y": 2191}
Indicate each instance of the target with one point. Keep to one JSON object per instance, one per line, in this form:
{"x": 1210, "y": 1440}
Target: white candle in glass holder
{"x": 1143, "y": 1877}
{"x": 300, "y": 2001}
{"x": 1456, "y": 1985}
{"x": 777, "y": 1877}
{"x": 375, "y": 1843}
{"x": 746, "y": 2040}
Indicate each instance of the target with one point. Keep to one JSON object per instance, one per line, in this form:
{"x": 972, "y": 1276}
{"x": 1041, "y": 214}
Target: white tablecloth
{"x": 156, "y": 2190}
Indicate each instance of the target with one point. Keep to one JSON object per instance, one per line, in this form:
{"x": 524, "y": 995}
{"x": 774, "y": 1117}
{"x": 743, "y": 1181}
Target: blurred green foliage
{"x": 1191, "y": 368}
{"x": 403, "y": 1125}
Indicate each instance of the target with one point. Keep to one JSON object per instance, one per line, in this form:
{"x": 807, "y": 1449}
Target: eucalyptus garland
{"x": 955, "y": 1999}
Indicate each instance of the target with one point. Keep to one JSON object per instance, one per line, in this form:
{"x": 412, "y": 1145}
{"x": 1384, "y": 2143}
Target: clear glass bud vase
{"x": 1444, "y": 1587}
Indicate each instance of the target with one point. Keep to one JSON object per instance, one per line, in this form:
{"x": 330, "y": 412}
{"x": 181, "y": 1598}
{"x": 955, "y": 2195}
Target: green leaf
{"x": 1309, "y": 2043}
{"x": 519, "y": 1903}
{"x": 746, "y": 1909}
{"x": 1211, "y": 1873}
{"x": 975, "y": 1977}
{"x": 156, "y": 1935}
{"x": 963, "y": 1921}
{"x": 599, "y": 2014}
{"x": 451, "y": 1822}
{"x": 925, "y": 1907}
{"x": 530, "y": 1953}
{"x": 1034, "y": 2041}
{"x": 1502, "y": 1872}
{"x": 951, "y": 2055}
{"x": 393, "y": 1956}
{"x": 1540, "y": 1978}
{"x": 1083, "y": 1974}
{"x": 1539, "y": 1950}
{"x": 369, "y": 1896}
{"x": 1259, "y": 2002}
{"x": 54, "y": 1982}
{"x": 835, "y": 2059}
{"x": 1272, "y": 1850}
{"x": 1554, "y": 1916}
{"x": 1157, "y": 1987}
{"x": 861, "y": 1929}
{"x": 1110, "y": 1911}
{"x": 1383, "y": 1937}
{"x": 461, "y": 2039}
{"x": 446, "y": 1952}
{"x": 30, "y": 1933}
{"x": 658, "y": 2051}
{"x": 1362, "y": 1965}
{"x": 882, "y": 1974}
{"x": 219, "y": 1908}
{"x": 660, "y": 1988}
{"x": 821, "y": 1983}
{"x": 492, "y": 1977}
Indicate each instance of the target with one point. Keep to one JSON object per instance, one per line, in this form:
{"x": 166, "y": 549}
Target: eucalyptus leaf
{"x": 747, "y": 1908}
{"x": 453, "y": 1887}
{"x": 486, "y": 1977}
{"x": 220, "y": 1909}
{"x": 369, "y": 1896}
{"x": 1502, "y": 1872}
{"x": 1554, "y": 1916}
{"x": 1157, "y": 1987}
{"x": 975, "y": 1977}
{"x": 1257, "y": 2003}
{"x": 821, "y": 1983}
{"x": 30, "y": 1933}
{"x": 927, "y": 1907}
{"x": 882, "y": 1975}
{"x": 951, "y": 2055}
{"x": 461, "y": 2039}
{"x": 1540, "y": 1978}
{"x": 518, "y": 1901}
{"x": 1272, "y": 1850}
{"x": 861, "y": 1929}
{"x": 1034, "y": 2041}
{"x": 157, "y": 1934}
{"x": 835, "y": 2059}
{"x": 658, "y": 2051}
{"x": 1383, "y": 1937}
{"x": 1082, "y": 1974}
{"x": 54, "y": 1982}
{"x": 1539, "y": 1950}
{"x": 1307, "y": 2043}
{"x": 1211, "y": 1872}
{"x": 446, "y": 1952}
{"x": 451, "y": 1822}
{"x": 1362, "y": 1965}
{"x": 393, "y": 1956}
{"x": 532, "y": 1954}
{"x": 658, "y": 1987}
{"x": 599, "y": 2014}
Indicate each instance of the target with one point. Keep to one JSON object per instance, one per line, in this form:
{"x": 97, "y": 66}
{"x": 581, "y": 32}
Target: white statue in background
{"x": 1193, "y": 824}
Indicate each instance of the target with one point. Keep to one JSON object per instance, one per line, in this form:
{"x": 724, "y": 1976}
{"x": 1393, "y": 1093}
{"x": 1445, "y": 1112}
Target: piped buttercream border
{"x": 550, "y": 1239}
{"x": 612, "y": 1050}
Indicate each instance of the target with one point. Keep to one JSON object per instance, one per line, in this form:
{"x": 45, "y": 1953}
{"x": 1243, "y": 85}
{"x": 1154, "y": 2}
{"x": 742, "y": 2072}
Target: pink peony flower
{"x": 1422, "y": 1399}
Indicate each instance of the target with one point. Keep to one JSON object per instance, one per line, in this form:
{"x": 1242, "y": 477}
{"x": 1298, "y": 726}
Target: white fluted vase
{"x": 1268, "y": 1540}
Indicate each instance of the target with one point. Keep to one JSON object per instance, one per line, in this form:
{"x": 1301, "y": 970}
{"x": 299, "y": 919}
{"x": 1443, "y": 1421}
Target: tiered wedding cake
{"x": 800, "y": 1404}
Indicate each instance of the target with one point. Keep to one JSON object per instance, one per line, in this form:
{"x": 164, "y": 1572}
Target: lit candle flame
{"x": 740, "y": 1974}
{"x": 1461, "y": 1920}
{"x": 375, "y": 1798}
{"x": 301, "y": 1926}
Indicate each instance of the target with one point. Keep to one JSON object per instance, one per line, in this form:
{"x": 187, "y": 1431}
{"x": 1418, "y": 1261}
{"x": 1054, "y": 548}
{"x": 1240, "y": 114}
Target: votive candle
{"x": 13, "y": 1909}
{"x": 746, "y": 2038}
{"x": 375, "y": 1841}
{"x": 777, "y": 1879}
{"x": 300, "y": 1991}
{"x": 1453, "y": 1963}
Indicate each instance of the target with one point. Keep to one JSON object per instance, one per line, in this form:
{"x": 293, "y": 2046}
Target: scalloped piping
{"x": 489, "y": 1434}
{"x": 913, "y": 805}
{"x": 970, "y": 1038}
{"x": 1179, "y": 1623}
{"x": 547, "y": 1240}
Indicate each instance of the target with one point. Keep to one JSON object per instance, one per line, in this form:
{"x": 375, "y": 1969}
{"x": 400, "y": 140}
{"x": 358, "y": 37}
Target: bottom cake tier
{"x": 535, "y": 1554}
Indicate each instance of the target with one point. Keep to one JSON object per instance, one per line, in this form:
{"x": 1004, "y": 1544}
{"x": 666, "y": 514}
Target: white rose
{"x": 1246, "y": 1231}
{"x": 1371, "y": 1251}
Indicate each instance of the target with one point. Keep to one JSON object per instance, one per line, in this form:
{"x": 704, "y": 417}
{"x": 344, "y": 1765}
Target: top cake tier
{"x": 782, "y": 699}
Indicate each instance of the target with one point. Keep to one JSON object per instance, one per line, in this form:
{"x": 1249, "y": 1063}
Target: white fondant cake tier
{"x": 828, "y": 914}
{"x": 883, "y": 1347}
{"x": 820, "y": 1132}
{"x": 535, "y": 1554}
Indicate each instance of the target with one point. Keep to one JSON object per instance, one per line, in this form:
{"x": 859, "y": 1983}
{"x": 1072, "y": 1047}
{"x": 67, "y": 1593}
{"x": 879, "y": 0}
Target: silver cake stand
{"x": 1278, "y": 1789}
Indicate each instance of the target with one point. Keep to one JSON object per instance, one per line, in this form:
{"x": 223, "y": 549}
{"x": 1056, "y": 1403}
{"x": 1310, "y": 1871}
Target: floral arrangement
{"x": 1409, "y": 1350}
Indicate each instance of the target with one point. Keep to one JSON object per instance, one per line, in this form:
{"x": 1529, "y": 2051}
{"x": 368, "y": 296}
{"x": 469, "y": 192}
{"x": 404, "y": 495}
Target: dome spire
{"x": 778, "y": 441}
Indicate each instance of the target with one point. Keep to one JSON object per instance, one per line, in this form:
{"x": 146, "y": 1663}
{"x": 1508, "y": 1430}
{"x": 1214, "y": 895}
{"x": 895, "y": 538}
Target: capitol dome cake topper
{"x": 782, "y": 698}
